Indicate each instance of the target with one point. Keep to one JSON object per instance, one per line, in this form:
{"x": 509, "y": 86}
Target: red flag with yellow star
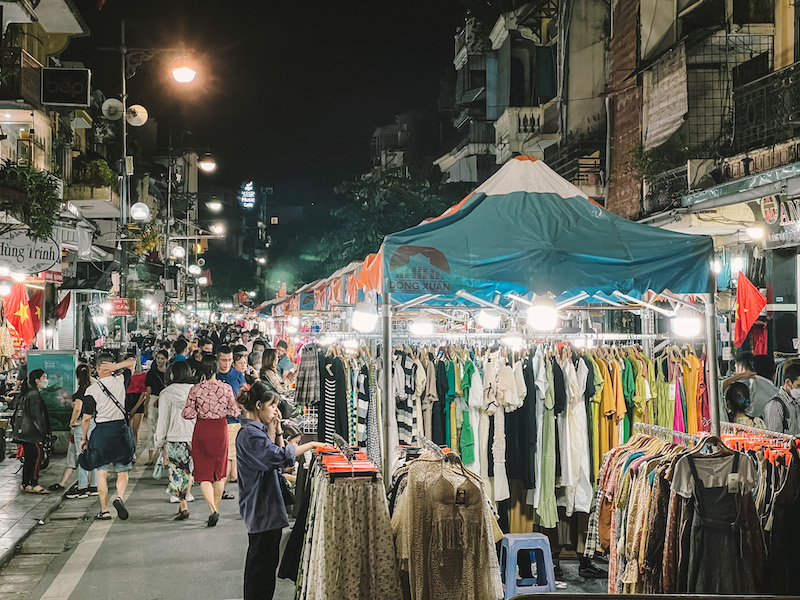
{"x": 18, "y": 312}
{"x": 35, "y": 306}
{"x": 749, "y": 304}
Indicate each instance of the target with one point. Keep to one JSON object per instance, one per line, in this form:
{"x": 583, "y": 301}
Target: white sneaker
{"x": 190, "y": 498}
{"x": 174, "y": 499}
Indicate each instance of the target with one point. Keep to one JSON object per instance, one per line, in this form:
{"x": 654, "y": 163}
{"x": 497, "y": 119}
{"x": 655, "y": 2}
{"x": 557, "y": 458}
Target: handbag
{"x": 286, "y": 490}
{"x": 158, "y": 469}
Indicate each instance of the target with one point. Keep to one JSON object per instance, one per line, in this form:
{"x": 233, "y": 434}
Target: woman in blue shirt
{"x": 261, "y": 453}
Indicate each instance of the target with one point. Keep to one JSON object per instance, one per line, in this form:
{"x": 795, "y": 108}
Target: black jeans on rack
{"x": 260, "y": 565}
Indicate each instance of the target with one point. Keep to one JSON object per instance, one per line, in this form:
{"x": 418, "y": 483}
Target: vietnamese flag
{"x": 18, "y": 313}
{"x": 61, "y": 309}
{"x": 35, "y": 305}
{"x": 749, "y": 304}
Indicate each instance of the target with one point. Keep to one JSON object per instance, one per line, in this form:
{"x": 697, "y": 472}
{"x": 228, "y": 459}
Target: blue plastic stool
{"x": 527, "y": 550}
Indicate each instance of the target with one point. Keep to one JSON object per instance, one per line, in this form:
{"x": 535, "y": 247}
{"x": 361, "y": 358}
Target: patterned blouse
{"x": 210, "y": 399}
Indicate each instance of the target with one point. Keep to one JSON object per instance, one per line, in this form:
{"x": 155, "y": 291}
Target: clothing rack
{"x": 665, "y": 434}
{"x": 729, "y": 428}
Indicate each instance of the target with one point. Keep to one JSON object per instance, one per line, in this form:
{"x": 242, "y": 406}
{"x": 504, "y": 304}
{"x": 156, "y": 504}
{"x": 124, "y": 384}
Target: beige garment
{"x": 445, "y": 535}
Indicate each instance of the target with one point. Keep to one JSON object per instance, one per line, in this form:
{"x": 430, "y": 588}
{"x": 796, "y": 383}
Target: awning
{"x": 746, "y": 189}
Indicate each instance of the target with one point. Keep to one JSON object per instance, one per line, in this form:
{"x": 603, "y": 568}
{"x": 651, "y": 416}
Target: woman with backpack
{"x": 31, "y": 428}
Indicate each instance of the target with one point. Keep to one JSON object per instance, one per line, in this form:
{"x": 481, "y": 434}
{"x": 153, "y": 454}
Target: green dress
{"x": 546, "y": 515}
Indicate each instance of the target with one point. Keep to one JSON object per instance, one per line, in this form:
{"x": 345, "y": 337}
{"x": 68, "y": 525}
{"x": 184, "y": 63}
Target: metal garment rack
{"x": 666, "y": 434}
{"x": 733, "y": 428}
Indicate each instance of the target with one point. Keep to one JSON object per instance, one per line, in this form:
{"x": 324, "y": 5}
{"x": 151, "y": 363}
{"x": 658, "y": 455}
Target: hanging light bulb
{"x": 365, "y": 317}
{"x": 514, "y": 340}
{"x": 716, "y": 266}
{"x": 543, "y": 315}
{"x": 421, "y": 326}
{"x": 737, "y": 264}
{"x": 686, "y": 323}
{"x": 489, "y": 319}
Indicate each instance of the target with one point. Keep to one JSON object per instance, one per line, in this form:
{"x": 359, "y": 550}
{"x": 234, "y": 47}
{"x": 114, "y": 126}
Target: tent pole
{"x": 386, "y": 385}
{"x": 713, "y": 363}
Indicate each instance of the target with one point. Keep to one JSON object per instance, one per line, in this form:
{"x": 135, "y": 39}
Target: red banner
{"x": 122, "y": 307}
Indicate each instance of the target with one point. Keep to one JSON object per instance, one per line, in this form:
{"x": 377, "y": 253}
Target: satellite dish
{"x": 137, "y": 115}
{"x": 112, "y": 109}
{"x": 201, "y": 262}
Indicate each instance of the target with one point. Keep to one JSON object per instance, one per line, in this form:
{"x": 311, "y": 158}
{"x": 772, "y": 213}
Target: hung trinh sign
{"x": 22, "y": 254}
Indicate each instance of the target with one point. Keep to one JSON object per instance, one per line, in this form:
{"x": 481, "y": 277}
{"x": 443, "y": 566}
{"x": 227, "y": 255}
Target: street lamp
{"x": 261, "y": 260}
{"x": 207, "y": 164}
{"x": 217, "y": 228}
{"x": 140, "y": 212}
{"x": 202, "y": 280}
{"x": 195, "y": 270}
{"x": 183, "y": 72}
{"x": 214, "y": 204}
{"x": 179, "y": 252}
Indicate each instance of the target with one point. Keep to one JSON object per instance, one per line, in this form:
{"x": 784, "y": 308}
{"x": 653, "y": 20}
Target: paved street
{"x": 148, "y": 557}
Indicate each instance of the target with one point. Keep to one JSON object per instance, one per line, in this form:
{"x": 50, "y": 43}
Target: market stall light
{"x": 350, "y": 344}
{"x": 489, "y": 319}
{"x": 106, "y": 306}
{"x": 179, "y": 252}
{"x": 294, "y": 320}
{"x": 327, "y": 340}
{"x": 514, "y": 340}
{"x": 5, "y": 289}
{"x": 147, "y": 301}
{"x": 4, "y": 271}
{"x": 421, "y": 326}
{"x": 716, "y": 266}
{"x": 737, "y": 264}
{"x": 101, "y": 319}
{"x": 543, "y": 315}
{"x": 251, "y": 294}
{"x": 195, "y": 269}
{"x": 686, "y": 323}
{"x": 292, "y": 329}
{"x": 365, "y": 317}
{"x": 755, "y": 233}
{"x": 19, "y": 277}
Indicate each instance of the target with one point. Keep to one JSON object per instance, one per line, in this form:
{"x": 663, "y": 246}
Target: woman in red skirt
{"x": 210, "y": 402}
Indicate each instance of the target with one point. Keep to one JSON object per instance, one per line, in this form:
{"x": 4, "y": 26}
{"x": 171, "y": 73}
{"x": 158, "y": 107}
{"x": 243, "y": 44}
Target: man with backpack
{"x": 782, "y": 413}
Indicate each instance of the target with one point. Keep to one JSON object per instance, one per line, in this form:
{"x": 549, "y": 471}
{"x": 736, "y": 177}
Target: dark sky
{"x": 289, "y": 91}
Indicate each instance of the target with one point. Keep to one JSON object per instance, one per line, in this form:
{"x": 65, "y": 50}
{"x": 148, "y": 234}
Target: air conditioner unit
{"x": 698, "y": 172}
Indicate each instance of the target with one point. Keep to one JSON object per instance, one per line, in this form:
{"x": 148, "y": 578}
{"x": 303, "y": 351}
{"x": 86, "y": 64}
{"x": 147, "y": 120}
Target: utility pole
{"x": 123, "y": 271}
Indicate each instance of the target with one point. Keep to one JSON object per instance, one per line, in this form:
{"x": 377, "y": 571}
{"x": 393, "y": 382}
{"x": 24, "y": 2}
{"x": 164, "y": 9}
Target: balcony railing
{"x": 767, "y": 110}
{"x": 519, "y": 127}
{"x": 20, "y": 77}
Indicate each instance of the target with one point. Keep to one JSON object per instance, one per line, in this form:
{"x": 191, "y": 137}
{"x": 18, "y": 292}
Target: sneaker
{"x": 75, "y": 493}
{"x": 56, "y": 487}
{"x": 190, "y": 498}
{"x": 93, "y": 491}
{"x": 174, "y": 499}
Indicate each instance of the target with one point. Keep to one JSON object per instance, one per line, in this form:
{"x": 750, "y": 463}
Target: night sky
{"x": 289, "y": 91}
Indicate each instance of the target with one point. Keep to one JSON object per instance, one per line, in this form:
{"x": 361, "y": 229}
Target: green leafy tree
{"x": 377, "y": 205}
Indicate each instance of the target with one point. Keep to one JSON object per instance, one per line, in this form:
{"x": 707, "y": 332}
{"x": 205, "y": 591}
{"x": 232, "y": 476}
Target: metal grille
{"x": 709, "y": 83}
{"x": 307, "y": 422}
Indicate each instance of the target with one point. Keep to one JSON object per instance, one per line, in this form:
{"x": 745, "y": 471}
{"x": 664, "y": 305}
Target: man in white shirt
{"x": 113, "y": 444}
{"x": 758, "y": 373}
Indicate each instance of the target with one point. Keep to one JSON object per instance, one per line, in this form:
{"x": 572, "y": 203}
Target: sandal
{"x": 36, "y": 490}
{"x": 228, "y": 496}
{"x": 103, "y": 516}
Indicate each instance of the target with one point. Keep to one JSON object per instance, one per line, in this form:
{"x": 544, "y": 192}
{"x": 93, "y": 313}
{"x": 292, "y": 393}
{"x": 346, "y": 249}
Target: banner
{"x": 60, "y": 367}
{"x": 122, "y": 307}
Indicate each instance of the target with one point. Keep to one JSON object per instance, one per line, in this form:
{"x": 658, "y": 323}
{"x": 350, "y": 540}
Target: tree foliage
{"x": 384, "y": 202}
{"x": 30, "y": 196}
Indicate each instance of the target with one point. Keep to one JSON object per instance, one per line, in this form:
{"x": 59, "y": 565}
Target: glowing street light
{"x": 261, "y": 260}
{"x": 207, "y": 164}
{"x": 178, "y": 252}
{"x": 217, "y": 228}
{"x": 214, "y": 205}
{"x": 202, "y": 280}
{"x": 195, "y": 270}
{"x": 182, "y": 72}
{"x": 140, "y": 212}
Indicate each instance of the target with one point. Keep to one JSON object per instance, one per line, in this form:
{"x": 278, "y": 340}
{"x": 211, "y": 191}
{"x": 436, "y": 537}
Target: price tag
{"x": 733, "y": 483}
{"x": 726, "y": 353}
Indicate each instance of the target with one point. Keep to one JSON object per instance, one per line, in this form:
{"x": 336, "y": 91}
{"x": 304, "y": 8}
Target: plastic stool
{"x": 526, "y": 550}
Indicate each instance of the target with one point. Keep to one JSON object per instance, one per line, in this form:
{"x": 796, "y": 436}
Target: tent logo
{"x": 419, "y": 269}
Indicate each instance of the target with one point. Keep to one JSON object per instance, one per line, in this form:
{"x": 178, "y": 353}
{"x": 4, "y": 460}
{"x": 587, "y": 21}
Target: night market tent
{"x": 527, "y": 230}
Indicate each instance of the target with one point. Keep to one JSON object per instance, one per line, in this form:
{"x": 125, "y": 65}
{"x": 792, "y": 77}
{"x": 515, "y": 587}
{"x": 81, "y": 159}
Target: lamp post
{"x": 131, "y": 59}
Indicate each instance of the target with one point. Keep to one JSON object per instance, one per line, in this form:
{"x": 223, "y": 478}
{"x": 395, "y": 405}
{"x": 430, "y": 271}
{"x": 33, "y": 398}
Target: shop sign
{"x": 419, "y": 269}
{"x": 53, "y": 276}
{"x": 782, "y": 217}
{"x": 122, "y": 307}
{"x": 21, "y": 253}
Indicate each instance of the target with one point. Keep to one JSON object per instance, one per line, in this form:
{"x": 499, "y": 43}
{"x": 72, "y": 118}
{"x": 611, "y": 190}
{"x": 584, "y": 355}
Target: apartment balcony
{"x": 664, "y": 191}
{"x": 583, "y": 164}
{"x": 20, "y": 78}
{"x": 767, "y": 110}
{"x": 95, "y": 202}
{"x": 526, "y": 130}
